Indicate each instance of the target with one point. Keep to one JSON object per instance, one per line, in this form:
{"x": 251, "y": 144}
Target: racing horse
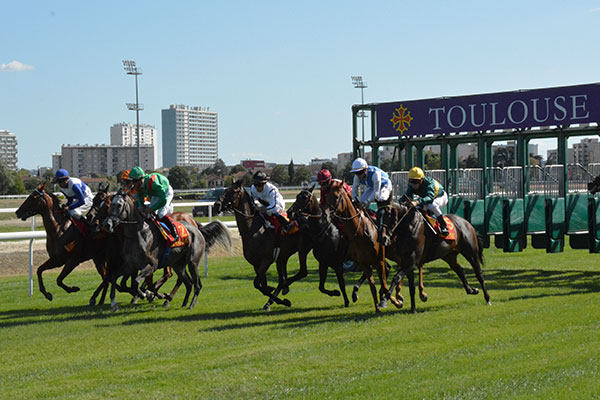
{"x": 330, "y": 247}
{"x": 258, "y": 244}
{"x": 64, "y": 243}
{"x": 594, "y": 185}
{"x": 97, "y": 214}
{"x": 144, "y": 246}
{"x": 365, "y": 247}
{"x": 414, "y": 243}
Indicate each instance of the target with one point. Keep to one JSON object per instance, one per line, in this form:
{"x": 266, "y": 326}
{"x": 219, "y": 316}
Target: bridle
{"x": 305, "y": 214}
{"x": 229, "y": 205}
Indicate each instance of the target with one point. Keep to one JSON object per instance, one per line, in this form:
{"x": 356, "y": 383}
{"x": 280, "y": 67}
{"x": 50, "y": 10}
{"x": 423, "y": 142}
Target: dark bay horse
{"x": 330, "y": 247}
{"x": 414, "y": 244}
{"x": 144, "y": 246}
{"x": 64, "y": 243}
{"x": 594, "y": 185}
{"x": 259, "y": 243}
{"x": 365, "y": 248}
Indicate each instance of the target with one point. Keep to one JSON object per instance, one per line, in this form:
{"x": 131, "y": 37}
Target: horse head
{"x": 306, "y": 203}
{"x": 38, "y": 202}
{"x": 338, "y": 201}
{"x": 231, "y": 199}
{"x": 99, "y": 210}
{"x": 121, "y": 209}
{"x": 594, "y": 186}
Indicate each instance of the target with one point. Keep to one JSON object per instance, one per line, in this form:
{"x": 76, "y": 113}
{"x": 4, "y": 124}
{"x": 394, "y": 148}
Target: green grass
{"x": 539, "y": 340}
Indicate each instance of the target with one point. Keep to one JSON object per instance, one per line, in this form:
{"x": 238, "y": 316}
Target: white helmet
{"x": 358, "y": 165}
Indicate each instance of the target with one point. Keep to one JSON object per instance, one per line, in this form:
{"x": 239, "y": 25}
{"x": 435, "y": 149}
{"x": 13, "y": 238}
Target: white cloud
{"x": 595, "y": 10}
{"x": 15, "y": 66}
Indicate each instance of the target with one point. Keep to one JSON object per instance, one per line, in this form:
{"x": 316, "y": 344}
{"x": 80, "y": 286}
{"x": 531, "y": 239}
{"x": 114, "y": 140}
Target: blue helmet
{"x": 60, "y": 174}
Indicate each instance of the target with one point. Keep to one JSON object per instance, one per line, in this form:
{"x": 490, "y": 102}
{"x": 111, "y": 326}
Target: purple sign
{"x": 507, "y": 110}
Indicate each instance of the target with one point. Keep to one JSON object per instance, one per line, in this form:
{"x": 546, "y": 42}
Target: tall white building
{"x": 124, "y": 134}
{"x": 8, "y": 149}
{"x": 190, "y": 136}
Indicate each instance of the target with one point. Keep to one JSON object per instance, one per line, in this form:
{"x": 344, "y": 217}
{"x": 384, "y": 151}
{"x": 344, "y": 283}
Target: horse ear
{"x": 233, "y": 180}
{"x": 312, "y": 187}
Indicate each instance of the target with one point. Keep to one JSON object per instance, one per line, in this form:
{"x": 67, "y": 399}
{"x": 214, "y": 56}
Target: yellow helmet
{"x": 416, "y": 173}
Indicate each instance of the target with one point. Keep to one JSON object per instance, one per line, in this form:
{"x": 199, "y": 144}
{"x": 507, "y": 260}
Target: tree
{"x": 179, "y": 178}
{"x": 302, "y": 175}
{"x": 331, "y": 167}
{"x": 237, "y": 168}
{"x": 280, "y": 175}
{"x": 504, "y": 156}
{"x": 10, "y": 182}
{"x": 291, "y": 172}
{"x": 219, "y": 168}
{"x": 470, "y": 161}
{"x": 432, "y": 160}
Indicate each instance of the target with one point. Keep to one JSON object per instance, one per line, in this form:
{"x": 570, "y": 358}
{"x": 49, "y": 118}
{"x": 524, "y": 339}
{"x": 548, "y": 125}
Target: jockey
{"x": 79, "y": 195}
{"x": 378, "y": 188}
{"x": 268, "y": 195}
{"x": 430, "y": 195}
{"x": 325, "y": 180}
{"x": 125, "y": 181}
{"x": 155, "y": 186}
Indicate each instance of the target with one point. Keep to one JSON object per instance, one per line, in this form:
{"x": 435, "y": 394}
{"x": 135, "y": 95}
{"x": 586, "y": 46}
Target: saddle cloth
{"x": 273, "y": 221}
{"x": 184, "y": 235}
{"x": 436, "y": 225}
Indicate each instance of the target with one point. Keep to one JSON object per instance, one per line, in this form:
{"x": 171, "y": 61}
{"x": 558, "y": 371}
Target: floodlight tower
{"x": 358, "y": 83}
{"x": 132, "y": 69}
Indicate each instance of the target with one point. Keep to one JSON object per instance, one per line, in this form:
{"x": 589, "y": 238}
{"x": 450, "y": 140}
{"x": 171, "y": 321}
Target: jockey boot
{"x": 171, "y": 227}
{"x": 443, "y": 226}
{"x": 286, "y": 225}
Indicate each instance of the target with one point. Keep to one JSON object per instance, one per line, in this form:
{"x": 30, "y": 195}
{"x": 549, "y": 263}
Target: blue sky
{"x": 277, "y": 72}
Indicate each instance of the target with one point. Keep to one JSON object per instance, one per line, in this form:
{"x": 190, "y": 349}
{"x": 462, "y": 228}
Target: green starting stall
{"x": 551, "y": 204}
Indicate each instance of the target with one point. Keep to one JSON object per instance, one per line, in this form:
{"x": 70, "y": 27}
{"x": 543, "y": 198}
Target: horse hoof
{"x": 383, "y": 303}
{"x": 150, "y": 296}
{"x": 346, "y": 303}
{"x": 396, "y": 302}
{"x": 336, "y": 293}
{"x": 474, "y": 291}
{"x": 134, "y": 300}
{"x": 92, "y": 302}
{"x": 48, "y": 296}
{"x": 423, "y": 297}
{"x": 114, "y": 307}
{"x": 287, "y": 303}
{"x": 74, "y": 289}
{"x": 166, "y": 303}
{"x": 267, "y": 307}
{"x": 285, "y": 290}
{"x": 354, "y": 297}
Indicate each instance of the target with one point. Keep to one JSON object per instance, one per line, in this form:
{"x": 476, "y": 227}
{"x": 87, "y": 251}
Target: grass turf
{"x": 539, "y": 339}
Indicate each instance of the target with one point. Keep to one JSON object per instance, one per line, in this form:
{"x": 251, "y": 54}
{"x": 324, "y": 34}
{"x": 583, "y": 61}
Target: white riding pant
{"x": 436, "y": 206}
{"x": 80, "y": 211}
{"x": 167, "y": 208}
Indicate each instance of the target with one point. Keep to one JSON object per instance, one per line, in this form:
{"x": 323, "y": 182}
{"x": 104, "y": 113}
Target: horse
{"x": 143, "y": 247}
{"x": 365, "y": 247}
{"x": 330, "y": 247}
{"x": 259, "y": 244}
{"x": 97, "y": 214}
{"x": 415, "y": 243}
{"x": 594, "y": 185}
{"x": 64, "y": 242}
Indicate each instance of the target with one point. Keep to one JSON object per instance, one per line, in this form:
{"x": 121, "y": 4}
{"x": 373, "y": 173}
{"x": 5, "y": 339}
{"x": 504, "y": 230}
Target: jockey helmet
{"x": 416, "y": 173}
{"x": 124, "y": 175}
{"x": 60, "y": 175}
{"x": 358, "y": 165}
{"x": 323, "y": 176}
{"x": 136, "y": 173}
{"x": 259, "y": 177}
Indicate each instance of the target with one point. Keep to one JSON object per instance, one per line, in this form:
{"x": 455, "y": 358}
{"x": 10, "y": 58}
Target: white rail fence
{"x": 33, "y": 234}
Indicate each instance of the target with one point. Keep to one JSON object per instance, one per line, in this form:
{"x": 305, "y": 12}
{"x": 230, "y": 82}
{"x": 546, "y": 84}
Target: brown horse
{"x": 64, "y": 242}
{"x": 365, "y": 248}
{"x": 259, "y": 244}
{"x": 414, "y": 243}
{"x": 330, "y": 247}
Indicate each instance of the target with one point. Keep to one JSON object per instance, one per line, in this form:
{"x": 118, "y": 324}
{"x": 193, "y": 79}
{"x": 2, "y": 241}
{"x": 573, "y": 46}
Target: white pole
{"x": 31, "y": 258}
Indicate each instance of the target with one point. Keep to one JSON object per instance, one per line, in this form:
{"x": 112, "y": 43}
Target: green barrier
{"x": 555, "y": 225}
{"x": 513, "y": 234}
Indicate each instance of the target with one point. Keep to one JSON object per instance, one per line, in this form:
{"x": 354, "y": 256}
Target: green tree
{"x": 432, "y": 160}
{"x": 291, "y": 172}
{"x": 10, "y": 182}
{"x": 237, "y": 168}
{"x": 504, "y": 156}
{"x": 470, "y": 161}
{"x": 302, "y": 175}
{"x": 280, "y": 175}
{"x": 219, "y": 168}
{"x": 179, "y": 178}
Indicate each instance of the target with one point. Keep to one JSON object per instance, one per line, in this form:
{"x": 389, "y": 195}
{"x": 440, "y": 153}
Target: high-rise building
{"x": 8, "y": 149}
{"x": 190, "y": 136}
{"x": 103, "y": 160}
{"x": 124, "y": 134}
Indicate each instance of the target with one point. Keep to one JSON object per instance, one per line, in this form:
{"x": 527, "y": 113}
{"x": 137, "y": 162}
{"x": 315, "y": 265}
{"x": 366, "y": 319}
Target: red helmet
{"x": 324, "y": 175}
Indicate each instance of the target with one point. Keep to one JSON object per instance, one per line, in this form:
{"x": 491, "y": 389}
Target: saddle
{"x": 436, "y": 227}
{"x": 271, "y": 219}
{"x": 182, "y": 232}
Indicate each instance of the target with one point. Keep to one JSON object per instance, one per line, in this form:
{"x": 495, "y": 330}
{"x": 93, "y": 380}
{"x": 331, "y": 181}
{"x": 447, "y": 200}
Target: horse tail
{"x": 216, "y": 232}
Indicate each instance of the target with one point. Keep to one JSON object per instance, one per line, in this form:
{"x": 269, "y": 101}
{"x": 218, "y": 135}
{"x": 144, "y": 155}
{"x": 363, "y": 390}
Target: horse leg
{"x": 167, "y": 273}
{"x": 381, "y": 271}
{"x": 452, "y": 261}
{"x": 339, "y": 273}
{"x": 197, "y": 283}
{"x": 169, "y": 296}
{"x": 411, "y": 287}
{"x": 303, "y": 272}
{"x": 67, "y": 269}
{"x": 49, "y": 264}
{"x": 422, "y": 293}
{"x": 147, "y": 271}
{"x": 102, "y": 287}
{"x": 187, "y": 281}
{"x": 260, "y": 283}
{"x": 357, "y": 286}
{"x": 322, "y": 277}
{"x": 474, "y": 261}
{"x": 374, "y": 292}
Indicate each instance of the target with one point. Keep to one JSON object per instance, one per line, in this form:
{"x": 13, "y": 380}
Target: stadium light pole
{"x": 358, "y": 83}
{"x": 132, "y": 69}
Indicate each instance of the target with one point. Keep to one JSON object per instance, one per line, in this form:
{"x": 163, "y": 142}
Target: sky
{"x": 278, "y": 73}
